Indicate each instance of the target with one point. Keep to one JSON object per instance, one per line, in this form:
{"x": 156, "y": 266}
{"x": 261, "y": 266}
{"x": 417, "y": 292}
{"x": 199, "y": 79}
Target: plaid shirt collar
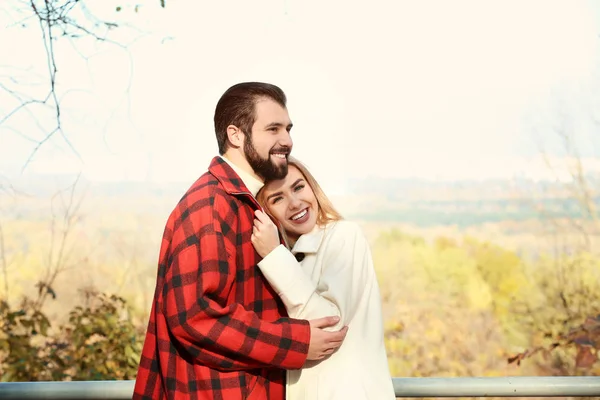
{"x": 253, "y": 184}
{"x": 232, "y": 178}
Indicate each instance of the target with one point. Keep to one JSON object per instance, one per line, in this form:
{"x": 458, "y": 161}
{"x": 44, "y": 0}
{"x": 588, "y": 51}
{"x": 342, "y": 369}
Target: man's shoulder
{"x": 207, "y": 186}
{"x": 202, "y": 197}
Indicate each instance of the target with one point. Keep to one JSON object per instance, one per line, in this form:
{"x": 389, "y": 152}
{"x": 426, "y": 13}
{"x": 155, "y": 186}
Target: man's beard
{"x": 265, "y": 168}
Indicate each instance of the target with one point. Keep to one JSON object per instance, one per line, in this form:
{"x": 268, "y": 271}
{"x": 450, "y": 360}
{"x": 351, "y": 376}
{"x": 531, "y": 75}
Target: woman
{"x": 329, "y": 271}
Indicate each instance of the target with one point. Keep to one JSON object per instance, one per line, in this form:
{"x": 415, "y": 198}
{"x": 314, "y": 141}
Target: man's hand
{"x": 265, "y": 237}
{"x": 323, "y": 343}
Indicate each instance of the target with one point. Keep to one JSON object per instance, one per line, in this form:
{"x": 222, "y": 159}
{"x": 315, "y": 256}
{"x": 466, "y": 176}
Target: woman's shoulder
{"x": 344, "y": 228}
{"x": 345, "y": 239}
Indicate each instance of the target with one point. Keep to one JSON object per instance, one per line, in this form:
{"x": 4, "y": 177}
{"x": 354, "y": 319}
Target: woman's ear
{"x": 235, "y": 136}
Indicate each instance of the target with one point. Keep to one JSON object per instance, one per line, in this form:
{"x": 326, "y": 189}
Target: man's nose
{"x": 286, "y": 140}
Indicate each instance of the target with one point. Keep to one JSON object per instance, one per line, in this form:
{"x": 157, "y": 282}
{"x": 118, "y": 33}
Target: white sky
{"x": 431, "y": 89}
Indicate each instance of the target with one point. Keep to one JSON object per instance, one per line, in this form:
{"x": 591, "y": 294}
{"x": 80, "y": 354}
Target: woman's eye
{"x": 298, "y": 188}
{"x": 276, "y": 200}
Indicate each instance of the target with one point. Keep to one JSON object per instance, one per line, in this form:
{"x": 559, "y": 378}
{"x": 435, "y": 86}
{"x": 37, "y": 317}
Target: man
{"x": 217, "y": 330}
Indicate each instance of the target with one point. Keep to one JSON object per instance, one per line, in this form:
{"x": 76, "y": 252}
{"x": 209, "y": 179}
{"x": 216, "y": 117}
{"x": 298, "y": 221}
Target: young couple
{"x": 263, "y": 290}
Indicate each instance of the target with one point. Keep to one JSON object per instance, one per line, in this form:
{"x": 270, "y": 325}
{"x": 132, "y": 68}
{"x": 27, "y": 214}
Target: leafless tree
{"x": 8, "y": 190}
{"x": 66, "y": 214}
{"x": 3, "y": 261}
{"x": 568, "y": 284}
{"x": 58, "y": 21}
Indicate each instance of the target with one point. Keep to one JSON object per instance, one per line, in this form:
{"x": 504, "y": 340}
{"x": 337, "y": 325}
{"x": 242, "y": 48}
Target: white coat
{"x": 336, "y": 277}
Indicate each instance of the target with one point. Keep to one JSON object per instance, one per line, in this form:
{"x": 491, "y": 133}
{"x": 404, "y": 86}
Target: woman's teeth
{"x": 299, "y": 215}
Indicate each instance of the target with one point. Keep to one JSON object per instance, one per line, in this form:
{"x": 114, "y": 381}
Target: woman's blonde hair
{"x": 327, "y": 212}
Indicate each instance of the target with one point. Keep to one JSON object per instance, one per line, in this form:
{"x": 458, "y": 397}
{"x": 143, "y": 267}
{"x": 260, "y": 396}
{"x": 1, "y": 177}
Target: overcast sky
{"x": 432, "y": 89}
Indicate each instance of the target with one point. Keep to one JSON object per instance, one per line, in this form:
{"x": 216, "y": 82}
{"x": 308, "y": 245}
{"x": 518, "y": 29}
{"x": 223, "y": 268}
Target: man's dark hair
{"x": 237, "y": 107}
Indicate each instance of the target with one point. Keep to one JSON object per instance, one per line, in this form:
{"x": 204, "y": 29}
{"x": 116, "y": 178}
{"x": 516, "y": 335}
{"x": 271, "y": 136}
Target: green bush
{"x": 98, "y": 342}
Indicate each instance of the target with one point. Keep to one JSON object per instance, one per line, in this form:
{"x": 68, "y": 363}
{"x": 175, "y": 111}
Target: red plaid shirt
{"x": 217, "y": 330}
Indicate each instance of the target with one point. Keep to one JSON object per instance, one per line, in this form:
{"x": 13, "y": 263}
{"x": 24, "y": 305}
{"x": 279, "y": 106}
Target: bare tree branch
{"x": 61, "y": 230}
{"x": 72, "y": 21}
{"x": 47, "y": 21}
{"x": 7, "y": 189}
{"x": 3, "y": 262}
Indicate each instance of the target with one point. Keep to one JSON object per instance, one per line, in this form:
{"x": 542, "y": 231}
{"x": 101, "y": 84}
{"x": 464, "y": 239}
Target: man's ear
{"x": 235, "y": 136}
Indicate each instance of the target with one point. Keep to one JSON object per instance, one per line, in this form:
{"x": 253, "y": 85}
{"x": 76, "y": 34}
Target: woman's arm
{"x": 346, "y": 273}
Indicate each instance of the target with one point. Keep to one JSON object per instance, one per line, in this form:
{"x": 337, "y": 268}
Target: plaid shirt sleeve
{"x": 217, "y": 332}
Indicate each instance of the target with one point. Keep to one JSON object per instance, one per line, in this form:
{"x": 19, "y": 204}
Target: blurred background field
{"x": 459, "y": 300}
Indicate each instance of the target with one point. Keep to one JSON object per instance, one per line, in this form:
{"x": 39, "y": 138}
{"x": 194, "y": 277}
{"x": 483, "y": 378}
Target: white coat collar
{"x": 310, "y": 242}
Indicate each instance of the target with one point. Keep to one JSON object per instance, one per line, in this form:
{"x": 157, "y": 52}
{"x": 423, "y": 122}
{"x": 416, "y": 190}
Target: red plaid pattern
{"x": 217, "y": 330}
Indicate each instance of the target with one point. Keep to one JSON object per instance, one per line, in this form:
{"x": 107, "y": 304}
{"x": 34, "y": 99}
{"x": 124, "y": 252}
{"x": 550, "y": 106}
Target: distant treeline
{"x": 465, "y": 213}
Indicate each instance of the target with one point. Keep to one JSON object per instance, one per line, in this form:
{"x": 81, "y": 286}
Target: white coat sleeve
{"x": 347, "y": 270}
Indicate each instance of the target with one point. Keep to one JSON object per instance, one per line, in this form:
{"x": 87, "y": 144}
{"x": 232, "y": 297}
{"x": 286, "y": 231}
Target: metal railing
{"x": 521, "y": 386}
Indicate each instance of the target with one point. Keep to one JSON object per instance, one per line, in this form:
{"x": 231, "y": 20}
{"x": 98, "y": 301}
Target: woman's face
{"x": 292, "y": 202}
